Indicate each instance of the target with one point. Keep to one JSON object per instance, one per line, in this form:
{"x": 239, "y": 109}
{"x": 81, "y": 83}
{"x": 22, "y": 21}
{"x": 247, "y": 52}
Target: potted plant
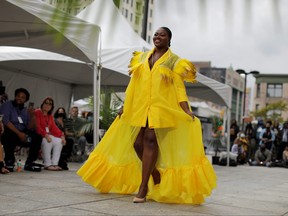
{"x": 216, "y": 141}
{"x": 109, "y": 109}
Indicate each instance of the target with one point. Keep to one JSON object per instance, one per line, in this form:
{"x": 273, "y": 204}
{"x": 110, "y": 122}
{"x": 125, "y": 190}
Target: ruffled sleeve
{"x": 135, "y": 62}
{"x": 186, "y": 70}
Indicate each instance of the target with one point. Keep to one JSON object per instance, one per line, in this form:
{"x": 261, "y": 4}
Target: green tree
{"x": 271, "y": 111}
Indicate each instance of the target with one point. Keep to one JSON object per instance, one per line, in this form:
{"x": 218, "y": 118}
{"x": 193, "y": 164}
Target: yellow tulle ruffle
{"x": 186, "y": 174}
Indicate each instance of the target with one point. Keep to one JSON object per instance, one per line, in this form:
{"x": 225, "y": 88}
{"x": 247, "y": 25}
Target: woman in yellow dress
{"x": 155, "y": 143}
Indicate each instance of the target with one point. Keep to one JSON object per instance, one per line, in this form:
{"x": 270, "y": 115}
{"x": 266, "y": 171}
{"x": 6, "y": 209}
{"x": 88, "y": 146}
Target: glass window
{"x": 258, "y": 90}
{"x": 137, "y": 20}
{"x": 138, "y": 6}
{"x": 274, "y": 90}
{"x": 257, "y": 107}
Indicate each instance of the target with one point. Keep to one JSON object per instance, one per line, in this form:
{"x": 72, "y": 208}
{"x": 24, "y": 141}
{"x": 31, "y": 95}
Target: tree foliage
{"x": 271, "y": 111}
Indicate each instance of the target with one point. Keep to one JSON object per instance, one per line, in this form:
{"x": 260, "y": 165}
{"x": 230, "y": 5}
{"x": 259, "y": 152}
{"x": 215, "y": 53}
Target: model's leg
{"x": 138, "y": 146}
{"x": 149, "y": 159}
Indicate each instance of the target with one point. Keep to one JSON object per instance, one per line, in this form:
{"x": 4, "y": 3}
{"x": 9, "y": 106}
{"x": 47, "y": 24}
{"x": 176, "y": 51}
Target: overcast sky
{"x": 246, "y": 34}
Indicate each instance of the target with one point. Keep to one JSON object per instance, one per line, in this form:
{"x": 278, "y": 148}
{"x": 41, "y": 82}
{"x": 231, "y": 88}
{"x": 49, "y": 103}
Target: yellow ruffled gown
{"x": 187, "y": 176}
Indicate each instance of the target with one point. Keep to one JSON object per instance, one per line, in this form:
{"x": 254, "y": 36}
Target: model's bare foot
{"x": 156, "y": 176}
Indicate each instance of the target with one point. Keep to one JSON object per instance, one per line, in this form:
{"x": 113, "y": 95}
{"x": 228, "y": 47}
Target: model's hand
{"x": 120, "y": 112}
{"x": 191, "y": 114}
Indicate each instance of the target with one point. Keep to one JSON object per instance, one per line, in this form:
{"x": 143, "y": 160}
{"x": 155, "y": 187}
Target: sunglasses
{"x": 48, "y": 103}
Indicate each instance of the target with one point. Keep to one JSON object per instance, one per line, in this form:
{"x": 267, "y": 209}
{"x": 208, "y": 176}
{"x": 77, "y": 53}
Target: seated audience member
{"x": 285, "y": 157}
{"x": 59, "y": 118}
{"x": 19, "y": 130}
{"x": 73, "y": 132}
{"x": 52, "y": 137}
{"x": 262, "y": 157}
{"x": 240, "y": 148}
{"x": 234, "y": 130}
{"x": 3, "y": 169}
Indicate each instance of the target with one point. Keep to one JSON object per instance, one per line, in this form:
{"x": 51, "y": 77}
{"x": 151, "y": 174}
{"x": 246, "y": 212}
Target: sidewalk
{"x": 241, "y": 190}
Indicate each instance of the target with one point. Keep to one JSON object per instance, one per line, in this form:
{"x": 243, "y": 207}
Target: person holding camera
{"x": 19, "y": 130}
{"x": 267, "y": 136}
{"x": 262, "y": 157}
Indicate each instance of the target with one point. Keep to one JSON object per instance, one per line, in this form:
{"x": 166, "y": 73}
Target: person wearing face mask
{"x": 59, "y": 117}
{"x": 19, "y": 130}
{"x": 154, "y": 147}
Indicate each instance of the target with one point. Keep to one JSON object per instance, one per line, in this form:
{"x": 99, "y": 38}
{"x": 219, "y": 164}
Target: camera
{"x": 28, "y": 139}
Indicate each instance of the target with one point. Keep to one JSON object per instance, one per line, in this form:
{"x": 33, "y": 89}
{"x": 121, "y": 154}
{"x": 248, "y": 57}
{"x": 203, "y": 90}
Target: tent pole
{"x": 96, "y": 107}
{"x": 228, "y": 113}
{"x": 228, "y": 126}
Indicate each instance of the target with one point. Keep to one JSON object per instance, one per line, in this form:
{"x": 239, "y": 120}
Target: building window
{"x": 138, "y": 6}
{"x": 126, "y": 13}
{"x": 274, "y": 90}
{"x": 132, "y": 3}
{"x": 258, "y": 90}
{"x": 131, "y": 17}
{"x": 137, "y": 20}
{"x": 151, "y": 13}
{"x": 149, "y": 39}
{"x": 257, "y": 107}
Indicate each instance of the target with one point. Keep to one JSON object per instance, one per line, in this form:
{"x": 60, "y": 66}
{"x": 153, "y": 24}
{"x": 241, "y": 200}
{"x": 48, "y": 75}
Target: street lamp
{"x": 240, "y": 71}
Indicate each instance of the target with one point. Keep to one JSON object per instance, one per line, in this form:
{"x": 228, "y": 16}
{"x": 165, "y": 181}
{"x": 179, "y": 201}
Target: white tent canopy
{"x": 34, "y": 24}
{"x": 56, "y": 75}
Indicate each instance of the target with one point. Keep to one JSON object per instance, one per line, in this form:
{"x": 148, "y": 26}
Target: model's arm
{"x": 185, "y": 107}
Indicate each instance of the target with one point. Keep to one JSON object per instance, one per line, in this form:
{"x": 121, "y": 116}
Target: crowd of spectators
{"x": 261, "y": 144}
{"x": 51, "y": 137}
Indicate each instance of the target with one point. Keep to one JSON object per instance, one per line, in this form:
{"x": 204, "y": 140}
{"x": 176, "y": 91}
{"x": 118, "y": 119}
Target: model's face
{"x": 20, "y": 98}
{"x": 161, "y": 38}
